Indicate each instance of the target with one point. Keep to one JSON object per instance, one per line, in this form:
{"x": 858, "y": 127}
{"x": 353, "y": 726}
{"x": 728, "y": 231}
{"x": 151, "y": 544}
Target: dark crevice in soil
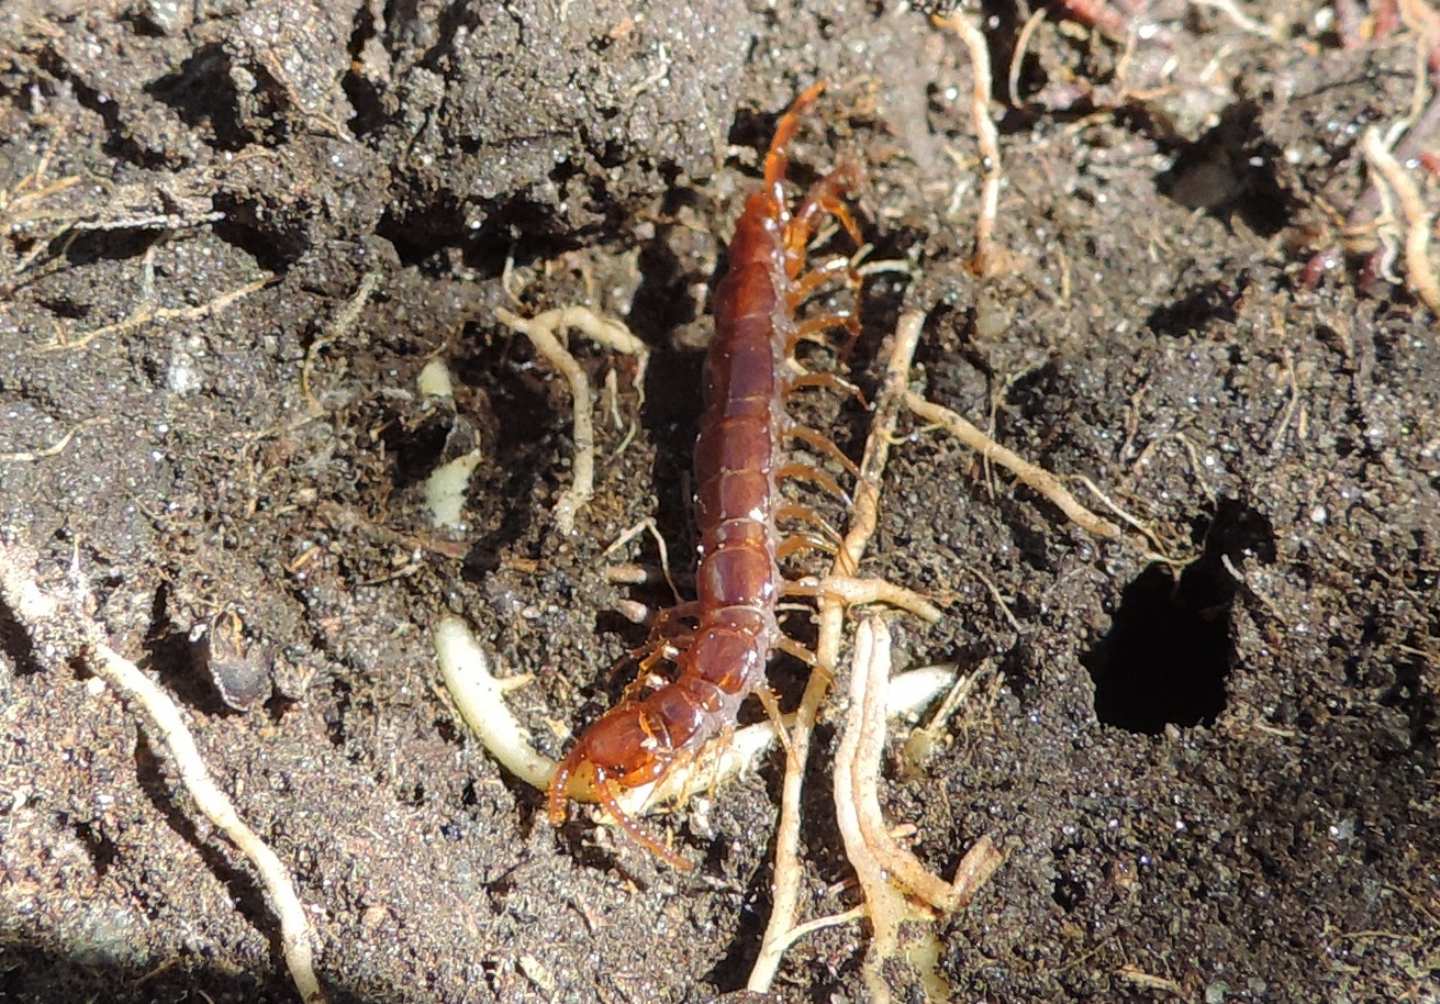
{"x": 119, "y": 244}
{"x": 517, "y": 228}
{"x": 366, "y": 97}
{"x": 518, "y": 458}
{"x": 15, "y": 642}
{"x": 273, "y": 248}
{"x": 1169, "y": 651}
{"x": 201, "y": 92}
{"x": 118, "y": 142}
{"x": 102, "y": 849}
{"x": 168, "y": 653}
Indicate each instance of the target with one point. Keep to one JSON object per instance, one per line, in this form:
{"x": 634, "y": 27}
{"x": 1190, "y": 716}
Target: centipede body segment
{"x": 740, "y": 457}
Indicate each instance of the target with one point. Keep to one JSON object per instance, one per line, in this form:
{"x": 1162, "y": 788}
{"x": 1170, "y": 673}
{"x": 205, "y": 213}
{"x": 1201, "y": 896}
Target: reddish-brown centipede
{"x": 749, "y": 372}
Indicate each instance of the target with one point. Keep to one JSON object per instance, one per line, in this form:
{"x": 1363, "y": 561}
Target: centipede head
{"x": 615, "y": 754}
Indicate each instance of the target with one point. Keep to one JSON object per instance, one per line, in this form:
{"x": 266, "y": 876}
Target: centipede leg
{"x": 805, "y": 514}
{"x": 805, "y": 286}
{"x": 808, "y": 472}
{"x": 806, "y": 655}
{"x": 771, "y": 704}
{"x": 797, "y": 542}
{"x": 809, "y": 330}
{"x": 605, "y": 795}
{"x": 825, "y": 445}
{"x": 825, "y": 381}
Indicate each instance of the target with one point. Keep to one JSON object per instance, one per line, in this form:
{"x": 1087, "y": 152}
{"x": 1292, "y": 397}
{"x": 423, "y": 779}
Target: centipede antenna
{"x": 776, "y": 161}
{"x": 556, "y": 796}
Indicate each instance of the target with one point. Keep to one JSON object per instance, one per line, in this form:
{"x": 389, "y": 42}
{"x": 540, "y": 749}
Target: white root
{"x": 864, "y": 515}
{"x": 608, "y": 332}
{"x": 887, "y": 871}
{"x": 1417, "y": 237}
{"x": 62, "y": 627}
{"x": 987, "y": 261}
{"x": 480, "y": 696}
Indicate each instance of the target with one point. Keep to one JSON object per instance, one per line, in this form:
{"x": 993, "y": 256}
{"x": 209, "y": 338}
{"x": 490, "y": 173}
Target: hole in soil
{"x": 101, "y": 848}
{"x": 1166, "y": 657}
{"x": 1067, "y": 892}
{"x": 1231, "y": 171}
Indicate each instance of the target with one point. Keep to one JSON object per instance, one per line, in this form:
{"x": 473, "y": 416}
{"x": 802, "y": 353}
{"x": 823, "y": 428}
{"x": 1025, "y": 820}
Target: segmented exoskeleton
{"x": 739, "y": 459}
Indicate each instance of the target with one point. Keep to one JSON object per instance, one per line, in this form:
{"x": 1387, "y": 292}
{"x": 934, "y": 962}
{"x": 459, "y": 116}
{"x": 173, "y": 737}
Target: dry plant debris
{"x": 147, "y": 312}
{"x": 55, "y": 448}
{"x": 60, "y": 626}
{"x": 541, "y": 330}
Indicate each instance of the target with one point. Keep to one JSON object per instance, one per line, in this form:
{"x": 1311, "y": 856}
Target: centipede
{"x": 746, "y": 527}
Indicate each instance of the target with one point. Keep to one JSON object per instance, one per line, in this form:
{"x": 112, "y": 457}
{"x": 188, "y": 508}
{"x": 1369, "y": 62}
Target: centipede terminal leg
{"x": 823, "y": 199}
{"x": 776, "y": 162}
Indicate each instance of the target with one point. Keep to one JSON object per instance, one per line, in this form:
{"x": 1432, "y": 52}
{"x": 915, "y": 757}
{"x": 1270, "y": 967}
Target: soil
{"x": 1214, "y": 782}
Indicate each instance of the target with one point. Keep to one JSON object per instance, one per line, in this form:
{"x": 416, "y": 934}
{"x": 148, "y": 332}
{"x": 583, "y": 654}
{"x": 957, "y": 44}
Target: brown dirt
{"x": 1226, "y": 781}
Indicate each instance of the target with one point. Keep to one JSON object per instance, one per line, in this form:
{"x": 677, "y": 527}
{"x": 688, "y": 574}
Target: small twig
{"x": 1037, "y": 478}
{"x": 64, "y": 628}
{"x": 986, "y": 261}
{"x": 337, "y": 328}
{"x": 1017, "y": 58}
{"x": 999, "y": 600}
{"x": 148, "y": 312}
{"x": 541, "y": 329}
{"x": 1293, "y": 401}
{"x": 1417, "y": 238}
{"x": 1159, "y": 554}
{"x": 29, "y": 456}
{"x": 1240, "y": 19}
{"x": 648, "y": 523}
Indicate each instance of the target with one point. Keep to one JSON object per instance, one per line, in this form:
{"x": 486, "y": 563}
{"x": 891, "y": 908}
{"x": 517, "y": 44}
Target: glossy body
{"x": 742, "y": 431}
